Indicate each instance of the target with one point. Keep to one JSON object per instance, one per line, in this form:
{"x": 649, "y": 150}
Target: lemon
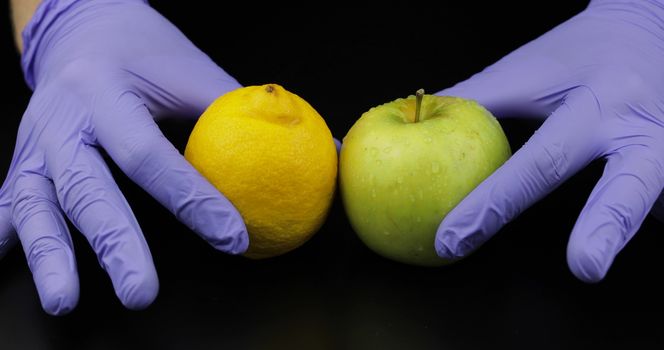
{"x": 273, "y": 156}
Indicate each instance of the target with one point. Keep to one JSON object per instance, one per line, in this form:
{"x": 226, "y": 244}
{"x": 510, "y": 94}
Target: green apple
{"x": 405, "y": 164}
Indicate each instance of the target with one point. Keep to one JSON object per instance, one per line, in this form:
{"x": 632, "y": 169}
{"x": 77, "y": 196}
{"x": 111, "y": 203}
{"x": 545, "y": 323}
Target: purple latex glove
{"x": 101, "y": 70}
{"x": 598, "y": 81}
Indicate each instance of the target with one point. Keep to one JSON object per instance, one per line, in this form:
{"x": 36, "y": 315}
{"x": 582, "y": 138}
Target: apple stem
{"x": 418, "y": 103}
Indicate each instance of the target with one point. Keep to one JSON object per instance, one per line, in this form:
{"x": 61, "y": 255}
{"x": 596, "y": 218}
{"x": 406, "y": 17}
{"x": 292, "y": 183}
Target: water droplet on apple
{"x": 386, "y": 233}
{"x": 435, "y": 167}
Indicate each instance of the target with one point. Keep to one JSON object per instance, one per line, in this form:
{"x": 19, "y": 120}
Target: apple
{"x": 405, "y": 164}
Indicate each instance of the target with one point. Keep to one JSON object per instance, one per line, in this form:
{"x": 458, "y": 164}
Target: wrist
{"x": 21, "y": 12}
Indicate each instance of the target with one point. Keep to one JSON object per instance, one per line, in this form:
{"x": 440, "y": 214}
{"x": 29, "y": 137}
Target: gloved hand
{"x": 101, "y": 70}
{"x": 598, "y": 81}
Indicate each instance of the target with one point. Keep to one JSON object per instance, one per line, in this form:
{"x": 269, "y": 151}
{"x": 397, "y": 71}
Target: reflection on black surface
{"x": 333, "y": 293}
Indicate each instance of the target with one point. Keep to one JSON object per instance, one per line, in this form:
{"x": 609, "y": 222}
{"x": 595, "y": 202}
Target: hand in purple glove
{"x": 598, "y": 80}
{"x": 101, "y": 70}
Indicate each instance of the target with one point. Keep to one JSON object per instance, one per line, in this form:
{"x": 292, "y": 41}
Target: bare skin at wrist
{"x": 21, "y": 12}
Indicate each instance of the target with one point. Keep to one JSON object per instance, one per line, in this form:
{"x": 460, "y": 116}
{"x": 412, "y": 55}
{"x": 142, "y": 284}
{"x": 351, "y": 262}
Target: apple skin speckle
{"x": 430, "y": 166}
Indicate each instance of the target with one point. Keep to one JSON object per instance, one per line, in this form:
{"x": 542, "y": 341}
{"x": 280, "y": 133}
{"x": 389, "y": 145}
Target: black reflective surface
{"x": 333, "y": 293}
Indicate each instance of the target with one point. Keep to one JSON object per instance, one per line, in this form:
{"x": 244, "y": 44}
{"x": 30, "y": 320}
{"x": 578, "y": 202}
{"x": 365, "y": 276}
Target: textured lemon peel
{"x": 272, "y": 155}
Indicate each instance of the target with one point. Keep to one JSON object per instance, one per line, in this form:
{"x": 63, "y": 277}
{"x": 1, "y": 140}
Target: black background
{"x": 334, "y": 293}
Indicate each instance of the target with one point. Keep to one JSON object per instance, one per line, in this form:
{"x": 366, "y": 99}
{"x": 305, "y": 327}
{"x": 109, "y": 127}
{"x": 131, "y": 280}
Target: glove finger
{"x": 46, "y": 242}
{"x": 186, "y": 88}
{"x": 615, "y": 210}
{"x": 93, "y": 202}
{"x": 139, "y": 148}
{"x": 7, "y": 234}
{"x": 553, "y": 153}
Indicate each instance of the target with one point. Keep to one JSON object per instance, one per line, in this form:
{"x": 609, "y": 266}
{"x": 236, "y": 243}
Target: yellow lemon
{"x": 273, "y": 156}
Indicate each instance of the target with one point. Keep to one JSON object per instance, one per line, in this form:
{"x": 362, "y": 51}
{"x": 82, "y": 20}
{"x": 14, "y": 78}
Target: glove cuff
{"x": 35, "y": 33}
